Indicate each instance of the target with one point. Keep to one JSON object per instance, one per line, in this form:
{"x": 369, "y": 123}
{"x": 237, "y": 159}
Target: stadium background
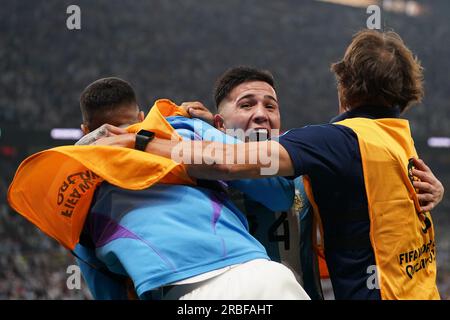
{"x": 176, "y": 49}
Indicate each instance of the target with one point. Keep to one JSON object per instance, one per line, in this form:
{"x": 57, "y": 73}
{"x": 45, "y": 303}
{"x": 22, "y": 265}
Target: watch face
{"x": 143, "y": 137}
{"x": 146, "y": 133}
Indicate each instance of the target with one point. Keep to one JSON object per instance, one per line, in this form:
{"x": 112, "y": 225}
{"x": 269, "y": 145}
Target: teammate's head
{"x": 109, "y": 100}
{"x": 246, "y": 99}
{"x": 379, "y": 70}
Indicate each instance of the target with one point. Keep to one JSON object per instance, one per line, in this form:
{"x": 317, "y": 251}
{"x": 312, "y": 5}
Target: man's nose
{"x": 260, "y": 114}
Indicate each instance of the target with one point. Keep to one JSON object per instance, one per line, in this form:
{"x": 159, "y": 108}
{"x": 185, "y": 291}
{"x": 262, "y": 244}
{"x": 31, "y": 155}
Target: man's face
{"x": 250, "y": 105}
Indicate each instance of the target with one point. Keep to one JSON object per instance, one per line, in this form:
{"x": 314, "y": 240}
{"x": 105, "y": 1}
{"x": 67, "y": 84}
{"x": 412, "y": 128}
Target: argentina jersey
{"x": 273, "y": 211}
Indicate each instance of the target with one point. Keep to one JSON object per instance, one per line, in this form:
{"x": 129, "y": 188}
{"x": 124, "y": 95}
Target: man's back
{"x": 331, "y": 158}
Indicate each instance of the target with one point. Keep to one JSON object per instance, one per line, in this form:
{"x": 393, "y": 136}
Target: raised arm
{"x": 218, "y": 161}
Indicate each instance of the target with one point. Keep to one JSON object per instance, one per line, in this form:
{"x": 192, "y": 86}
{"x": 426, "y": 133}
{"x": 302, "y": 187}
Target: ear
{"x": 85, "y": 129}
{"x": 141, "y": 116}
{"x": 219, "y": 123}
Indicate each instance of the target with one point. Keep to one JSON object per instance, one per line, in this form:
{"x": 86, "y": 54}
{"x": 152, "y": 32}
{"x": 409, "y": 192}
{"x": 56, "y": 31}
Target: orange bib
{"x": 404, "y": 247}
{"x": 402, "y": 242}
{"x": 54, "y": 188}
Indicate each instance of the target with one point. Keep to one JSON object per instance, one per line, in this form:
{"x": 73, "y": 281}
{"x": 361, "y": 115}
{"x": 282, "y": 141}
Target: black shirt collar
{"x": 371, "y": 112}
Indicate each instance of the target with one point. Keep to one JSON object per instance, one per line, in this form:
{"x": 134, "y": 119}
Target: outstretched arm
{"x": 218, "y": 161}
{"x": 215, "y": 160}
{"x": 230, "y": 162}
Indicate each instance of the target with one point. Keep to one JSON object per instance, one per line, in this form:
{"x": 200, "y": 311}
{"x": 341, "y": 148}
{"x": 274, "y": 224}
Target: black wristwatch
{"x": 143, "y": 137}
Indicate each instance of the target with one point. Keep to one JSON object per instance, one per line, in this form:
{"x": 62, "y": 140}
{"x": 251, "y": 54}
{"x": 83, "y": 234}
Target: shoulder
{"x": 319, "y": 132}
{"x": 320, "y": 147}
{"x": 320, "y": 138}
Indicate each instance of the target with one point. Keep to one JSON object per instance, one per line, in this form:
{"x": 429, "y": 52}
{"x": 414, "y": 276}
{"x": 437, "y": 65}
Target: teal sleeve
{"x": 275, "y": 193}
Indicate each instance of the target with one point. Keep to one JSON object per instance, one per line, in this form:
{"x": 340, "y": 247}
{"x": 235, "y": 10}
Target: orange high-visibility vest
{"x": 53, "y": 189}
{"x": 403, "y": 244}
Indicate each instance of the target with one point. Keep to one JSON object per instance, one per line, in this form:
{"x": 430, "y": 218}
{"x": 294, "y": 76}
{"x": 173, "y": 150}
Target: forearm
{"x": 215, "y": 160}
{"x": 206, "y": 159}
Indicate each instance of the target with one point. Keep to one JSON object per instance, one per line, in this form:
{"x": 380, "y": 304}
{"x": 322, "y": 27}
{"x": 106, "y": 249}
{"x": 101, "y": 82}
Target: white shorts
{"x": 257, "y": 279}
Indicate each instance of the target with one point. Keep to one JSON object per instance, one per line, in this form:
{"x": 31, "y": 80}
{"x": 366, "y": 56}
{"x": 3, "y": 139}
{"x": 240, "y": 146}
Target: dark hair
{"x": 102, "y": 97}
{"x": 378, "y": 69}
{"x": 236, "y": 76}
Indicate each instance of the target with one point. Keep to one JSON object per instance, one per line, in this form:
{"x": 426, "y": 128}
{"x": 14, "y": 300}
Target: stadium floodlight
{"x": 66, "y": 134}
{"x": 439, "y": 142}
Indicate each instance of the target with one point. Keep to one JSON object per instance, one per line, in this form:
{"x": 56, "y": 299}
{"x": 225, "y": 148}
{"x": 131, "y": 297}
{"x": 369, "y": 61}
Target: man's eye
{"x": 246, "y": 106}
